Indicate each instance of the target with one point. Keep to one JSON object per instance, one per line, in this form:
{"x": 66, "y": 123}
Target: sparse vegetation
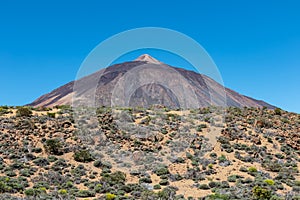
{"x": 44, "y": 156}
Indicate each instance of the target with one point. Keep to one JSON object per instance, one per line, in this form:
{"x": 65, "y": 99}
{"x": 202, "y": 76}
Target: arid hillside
{"x": 158, "y": 153}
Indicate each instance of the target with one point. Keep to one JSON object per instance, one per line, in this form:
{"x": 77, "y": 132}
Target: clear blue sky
{"x": 255, "y": 44}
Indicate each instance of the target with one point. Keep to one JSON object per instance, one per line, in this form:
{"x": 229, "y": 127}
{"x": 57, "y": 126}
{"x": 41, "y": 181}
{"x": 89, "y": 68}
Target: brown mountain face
{"x": 130, "y": 84}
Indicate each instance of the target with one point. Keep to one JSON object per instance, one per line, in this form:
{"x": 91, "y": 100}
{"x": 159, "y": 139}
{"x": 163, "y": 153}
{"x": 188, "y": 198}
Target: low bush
{"x": 62, "y": 192}
{"x": 85, "y": 193}
{"x": 83, "y": 156}
{"x": 30, "y": 192}
{"x": 157, "y": 187}
{"x": 23, "y": 112}
{"x": 204, "y": 187}
{"x": 252, "y": 169}
{"x": 114, "y": 178}
{"x": 269, "y": 182}
{"x": 218, "y": 196}
{"x": 53, "y": 146}
{"x": 260, "y": 193}
{"x": 164, "y": 182}
{"x": 110, "y": 196}
{"x": 161, "y": 171}
{"x": 52, "y": 115}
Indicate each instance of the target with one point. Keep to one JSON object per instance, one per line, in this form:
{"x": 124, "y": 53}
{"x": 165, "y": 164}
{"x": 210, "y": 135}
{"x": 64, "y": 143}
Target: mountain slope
{"x": 194, "y": 88}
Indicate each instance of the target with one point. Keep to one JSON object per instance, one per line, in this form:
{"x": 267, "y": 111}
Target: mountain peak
{"x": 151, "y": 93}
{"x": 148, "y": 58}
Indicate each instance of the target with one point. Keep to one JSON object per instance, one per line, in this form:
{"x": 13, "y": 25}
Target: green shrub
{"x": 247, "y": 180}
{"x": 10, "y": 173}
{"x": 204, "y": 187}
{"x": 53, "y": 146}
{"x": 145, "y": 180}
{"x": 30, "y": 192}
{"x": 166, "y": 193}
{"x": 277, "y": 111}
{"x": 85, "y": 193}
{"x": 110, "y": 196}
{"x": 222, "y": 158}
{"x": 42, "y": 190}
{"x": 213, "y": 155}
{"x": 161, "y": 171}
{"x": 41, "y": 162}
{"x": 52, "y": 158}
{"x": 203, "y": 126}
{"x": 69, "y": 184}
{"x": 63, "y": 107}
{"x": 272, "y": 166}
{"x": 252, "y": 169}
{"x": 260, "y": 193}
{"x": 243, "y": 169}
{"x": 83, "y": 156}
{"x": 269, "y": 182}
{"x": 98, "y": 188}
{"x": 24, "y": 112}
{"x": 62, "y": 192}
{"x": 218, "y": 196}
{"x": 232, "y": 178}
{"x": 157, "y": 187}
{"x": 4, "y": 111}
{"x": 37, "y": 150}
{"x": 25, "y": 172}
{"x": 274, "y": 197}
{"x": 200, "y": 127}
{"x": 164, "y": 182}
{"x": 164, "y": 131}
{"x": 12, "y": 185}
{"x": 52, "y": 115}
{"x": 214, "y": 184}
{"x": 114, "y": 178}
{"x": 79, "y": 171}
{"x": 279, "y": 155}
{"x": 179, "y": 160}
{"x": 42, "y": 184}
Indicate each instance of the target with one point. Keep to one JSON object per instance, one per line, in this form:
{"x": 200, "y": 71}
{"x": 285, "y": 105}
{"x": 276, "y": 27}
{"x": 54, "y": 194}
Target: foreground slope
{"x": 256, "y": 155}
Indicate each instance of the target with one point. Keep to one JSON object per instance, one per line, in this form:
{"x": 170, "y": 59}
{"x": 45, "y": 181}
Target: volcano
{"x": 170, "y": 87}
